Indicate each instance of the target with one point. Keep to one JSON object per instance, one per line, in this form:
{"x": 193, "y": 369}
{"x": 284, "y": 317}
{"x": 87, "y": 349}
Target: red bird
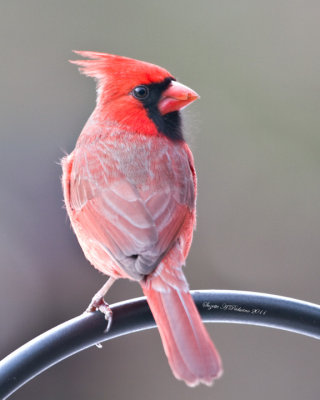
{"x": 130, "y": 192}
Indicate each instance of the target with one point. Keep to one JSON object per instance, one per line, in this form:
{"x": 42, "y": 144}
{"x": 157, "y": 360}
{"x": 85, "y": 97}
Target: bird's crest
{"x": 102, "y": 65}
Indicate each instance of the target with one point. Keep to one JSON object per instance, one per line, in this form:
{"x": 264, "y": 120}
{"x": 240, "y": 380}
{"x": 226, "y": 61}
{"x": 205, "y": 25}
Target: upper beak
{"x": 176, "y": 97}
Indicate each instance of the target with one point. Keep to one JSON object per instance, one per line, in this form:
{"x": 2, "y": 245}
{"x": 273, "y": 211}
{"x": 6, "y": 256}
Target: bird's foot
{"x": 98, "y": 303}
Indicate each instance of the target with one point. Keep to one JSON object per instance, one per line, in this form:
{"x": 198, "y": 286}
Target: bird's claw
{"x": 101, "y": 305}
{"x": 106, "y": 310}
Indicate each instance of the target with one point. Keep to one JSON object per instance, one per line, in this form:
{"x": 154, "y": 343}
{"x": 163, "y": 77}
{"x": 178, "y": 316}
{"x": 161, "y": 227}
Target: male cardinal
{"x": 130, "y": 191}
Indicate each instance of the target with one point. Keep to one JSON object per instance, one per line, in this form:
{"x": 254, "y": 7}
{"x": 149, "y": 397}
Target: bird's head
{"x": 137, "y": 95}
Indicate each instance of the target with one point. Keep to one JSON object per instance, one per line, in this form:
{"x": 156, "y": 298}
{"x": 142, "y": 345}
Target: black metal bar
{"x": 133, "y": 315}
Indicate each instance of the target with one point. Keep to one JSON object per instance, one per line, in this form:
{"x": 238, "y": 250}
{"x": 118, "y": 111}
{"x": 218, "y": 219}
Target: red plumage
{"x": 130, "y": 192}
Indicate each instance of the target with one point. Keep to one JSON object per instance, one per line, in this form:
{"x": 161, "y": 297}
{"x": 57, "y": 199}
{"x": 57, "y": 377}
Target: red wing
{"x": 134, "y": 209}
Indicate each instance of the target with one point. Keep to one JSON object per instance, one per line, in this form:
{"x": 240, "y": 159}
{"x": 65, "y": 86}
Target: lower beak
{"x": 176, "y": 97}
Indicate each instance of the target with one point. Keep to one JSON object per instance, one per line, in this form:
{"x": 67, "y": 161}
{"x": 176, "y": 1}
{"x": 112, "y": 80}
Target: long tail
{"x": 190, "y": 351}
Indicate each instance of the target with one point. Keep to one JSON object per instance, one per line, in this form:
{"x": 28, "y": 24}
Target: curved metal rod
{"x": 134, "y": 315}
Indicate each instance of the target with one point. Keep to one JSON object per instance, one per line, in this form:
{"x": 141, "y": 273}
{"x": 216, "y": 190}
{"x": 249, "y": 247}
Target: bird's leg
{"x": 98, "y": 302}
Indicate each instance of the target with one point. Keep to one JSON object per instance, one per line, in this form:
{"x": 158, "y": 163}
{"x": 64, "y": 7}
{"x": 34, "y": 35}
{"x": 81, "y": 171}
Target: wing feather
{"x": 133, "y": 203}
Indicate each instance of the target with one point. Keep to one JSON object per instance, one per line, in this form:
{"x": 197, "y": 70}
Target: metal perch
{"x": 134, "y": 315}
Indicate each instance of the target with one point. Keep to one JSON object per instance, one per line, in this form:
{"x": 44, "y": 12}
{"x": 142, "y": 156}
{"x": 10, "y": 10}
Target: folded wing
{"x": 133, "y": 206}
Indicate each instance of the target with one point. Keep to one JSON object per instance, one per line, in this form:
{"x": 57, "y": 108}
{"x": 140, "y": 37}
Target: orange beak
{"x": 176, "y": 97}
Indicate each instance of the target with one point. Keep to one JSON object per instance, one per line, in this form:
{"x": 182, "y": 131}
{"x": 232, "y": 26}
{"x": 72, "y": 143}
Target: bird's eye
{"x": 140, "y": 92}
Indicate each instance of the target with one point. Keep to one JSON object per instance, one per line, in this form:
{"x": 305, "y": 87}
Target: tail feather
{"x": 187, "y": 344}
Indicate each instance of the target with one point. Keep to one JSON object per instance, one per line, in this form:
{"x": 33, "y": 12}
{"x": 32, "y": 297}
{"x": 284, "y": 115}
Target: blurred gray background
{"x": 255, "y": 138}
